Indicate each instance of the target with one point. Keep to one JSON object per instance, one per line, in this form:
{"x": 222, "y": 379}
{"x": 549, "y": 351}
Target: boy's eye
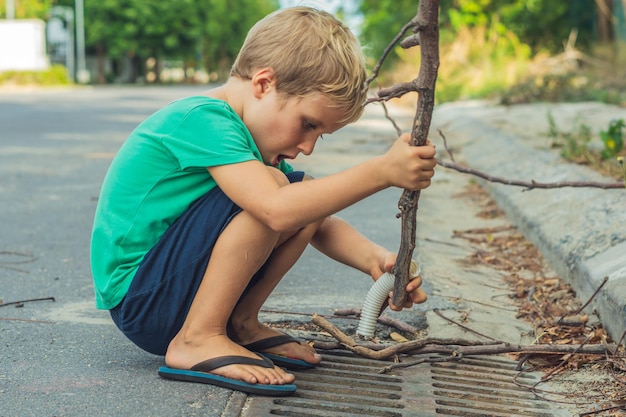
{"x": 308, "y": 125}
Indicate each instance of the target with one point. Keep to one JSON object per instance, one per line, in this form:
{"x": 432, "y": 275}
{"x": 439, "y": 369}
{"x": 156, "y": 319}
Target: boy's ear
{"x": 263, "y": 81}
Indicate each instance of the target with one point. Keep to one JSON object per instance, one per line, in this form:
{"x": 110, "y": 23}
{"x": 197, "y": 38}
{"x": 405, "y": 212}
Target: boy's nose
{"x": 307, "y": 146}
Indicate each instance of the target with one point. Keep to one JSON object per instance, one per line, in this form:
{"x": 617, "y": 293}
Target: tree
{"x": 112, "y": 30}
{"x": 224, "y": 27}
{"x": 383, "y": 19}
{"x": 540, "y": 24}
{"x": 196, "y": 32}
{"x": 169, "y": 31}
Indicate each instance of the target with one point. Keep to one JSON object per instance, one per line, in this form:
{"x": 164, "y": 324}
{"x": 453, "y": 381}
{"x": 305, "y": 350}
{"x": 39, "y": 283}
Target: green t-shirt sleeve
{"x": 210, "y": 135}
{"x": 230, "y": 140}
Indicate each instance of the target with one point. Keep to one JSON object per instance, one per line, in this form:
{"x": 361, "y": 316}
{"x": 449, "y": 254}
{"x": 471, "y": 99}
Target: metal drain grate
{"x": 342, "y": 385}
{"x": 483, "y": 386}
{"x": 345, "y": 385}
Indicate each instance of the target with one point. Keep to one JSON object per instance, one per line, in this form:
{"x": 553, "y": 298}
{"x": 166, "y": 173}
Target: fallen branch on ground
{"x": 455, "y": 346}
{"x": 21, "y": 303}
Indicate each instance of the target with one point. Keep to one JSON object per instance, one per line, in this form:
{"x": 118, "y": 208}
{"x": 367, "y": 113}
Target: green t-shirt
{"x": 158, "y": 172}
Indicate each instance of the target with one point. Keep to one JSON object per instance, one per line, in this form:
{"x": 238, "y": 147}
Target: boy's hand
{"x": 414, "y": 295}
{"x": 410, "y": 167}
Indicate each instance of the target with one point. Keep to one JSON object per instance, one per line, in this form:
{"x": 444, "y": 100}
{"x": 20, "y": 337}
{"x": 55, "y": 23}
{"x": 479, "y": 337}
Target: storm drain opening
{"x": 346, "y": 385}
{"x": 483, "y": 386}
{"x": 342, "y": 385}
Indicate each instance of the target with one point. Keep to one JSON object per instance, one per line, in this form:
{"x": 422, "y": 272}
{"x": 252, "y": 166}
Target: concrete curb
{"x": 579, "y": 231}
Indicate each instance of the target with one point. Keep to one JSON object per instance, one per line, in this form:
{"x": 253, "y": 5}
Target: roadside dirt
{"x": 550, "y": 305}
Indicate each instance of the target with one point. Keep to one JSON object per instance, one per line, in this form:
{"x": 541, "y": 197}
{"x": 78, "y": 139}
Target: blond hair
{"x": 310, "y": 51}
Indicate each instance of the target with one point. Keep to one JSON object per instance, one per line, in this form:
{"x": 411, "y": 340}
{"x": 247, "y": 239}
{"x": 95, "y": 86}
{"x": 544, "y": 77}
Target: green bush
{"x": 56, "y": 75}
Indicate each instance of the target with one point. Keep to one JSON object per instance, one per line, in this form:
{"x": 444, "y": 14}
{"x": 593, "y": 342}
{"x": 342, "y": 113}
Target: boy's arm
{"x": 341, "y": 242}
{"x": 338, "y": 240}
{"x": 252, "y": 186}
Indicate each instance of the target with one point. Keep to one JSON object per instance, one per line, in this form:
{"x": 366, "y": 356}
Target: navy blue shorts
{"x": 168, "y": 278}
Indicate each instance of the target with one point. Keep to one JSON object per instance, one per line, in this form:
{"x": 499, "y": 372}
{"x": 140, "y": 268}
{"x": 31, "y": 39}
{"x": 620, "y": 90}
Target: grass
{"x": 56, "y": 75}
{"x": 477, "y": 62}
{"x": 490, "y": 62}
{"x": 577, "y": 146}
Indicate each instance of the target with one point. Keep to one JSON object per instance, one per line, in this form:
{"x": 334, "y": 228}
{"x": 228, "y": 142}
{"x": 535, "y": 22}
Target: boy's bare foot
{"x": 186, "y": 354}
{"x": 252, "y": 332}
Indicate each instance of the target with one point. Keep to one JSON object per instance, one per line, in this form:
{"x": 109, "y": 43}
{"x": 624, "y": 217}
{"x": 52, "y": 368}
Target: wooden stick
{"x": 427, "y": 20}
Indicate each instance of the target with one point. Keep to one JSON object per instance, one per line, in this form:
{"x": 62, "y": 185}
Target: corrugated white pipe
{"x": 375, "y": 298}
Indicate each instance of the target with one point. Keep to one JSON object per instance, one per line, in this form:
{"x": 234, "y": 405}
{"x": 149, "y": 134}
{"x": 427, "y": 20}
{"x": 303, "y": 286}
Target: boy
{"x": 200, "y": 216}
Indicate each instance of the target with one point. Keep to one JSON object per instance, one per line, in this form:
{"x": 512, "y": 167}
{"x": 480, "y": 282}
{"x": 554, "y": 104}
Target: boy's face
{"x": 283, "y": 127}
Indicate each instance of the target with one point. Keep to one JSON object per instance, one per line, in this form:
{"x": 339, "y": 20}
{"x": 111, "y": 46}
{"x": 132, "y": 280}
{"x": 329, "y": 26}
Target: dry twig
{"x": 452, "y": 346}
{"x": 532, "y": 184}
{"x": 21, "y": 303}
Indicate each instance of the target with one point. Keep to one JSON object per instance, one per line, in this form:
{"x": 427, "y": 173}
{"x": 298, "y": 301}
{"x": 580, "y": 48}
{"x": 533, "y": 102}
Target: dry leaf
{"x": 397, "y": 337}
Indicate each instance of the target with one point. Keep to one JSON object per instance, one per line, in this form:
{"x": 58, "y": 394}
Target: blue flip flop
{"x": 201, "y": 373}
{"x": 291, "y": 364}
